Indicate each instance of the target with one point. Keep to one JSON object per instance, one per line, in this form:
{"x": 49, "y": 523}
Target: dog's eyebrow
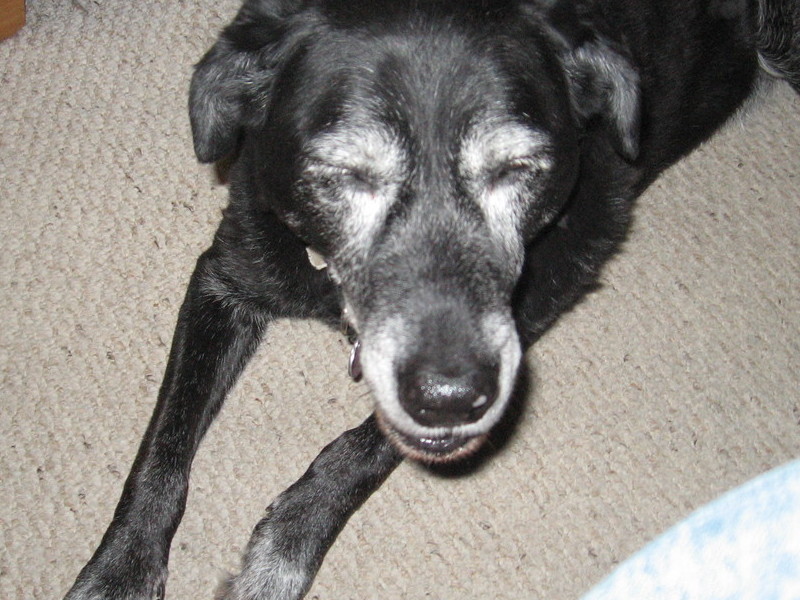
{"x": 369, "y": 148}
{"x": 496, "y": 142}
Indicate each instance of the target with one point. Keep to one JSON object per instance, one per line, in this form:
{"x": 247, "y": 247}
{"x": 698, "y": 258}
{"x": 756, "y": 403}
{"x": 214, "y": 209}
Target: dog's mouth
{"x": 431, "y": 450}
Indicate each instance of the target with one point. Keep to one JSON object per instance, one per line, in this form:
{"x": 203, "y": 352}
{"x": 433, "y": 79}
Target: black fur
{"x": 617, "y": 90}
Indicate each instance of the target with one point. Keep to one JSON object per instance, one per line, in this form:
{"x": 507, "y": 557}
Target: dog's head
{"x": 420, "y": 147}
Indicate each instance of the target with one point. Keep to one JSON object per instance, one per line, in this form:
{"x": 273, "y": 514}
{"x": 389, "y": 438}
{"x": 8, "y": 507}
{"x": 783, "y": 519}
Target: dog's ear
{"x": 237, "y": 69}
{"x": 603, "y": 82}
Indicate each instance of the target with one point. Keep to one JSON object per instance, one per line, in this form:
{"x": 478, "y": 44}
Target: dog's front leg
{"x": 212, "y": 342}
{"x": 289, "y": 543}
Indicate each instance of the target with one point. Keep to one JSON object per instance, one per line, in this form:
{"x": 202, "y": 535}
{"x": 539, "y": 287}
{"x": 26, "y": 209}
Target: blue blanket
{"x": 743, "y": 546}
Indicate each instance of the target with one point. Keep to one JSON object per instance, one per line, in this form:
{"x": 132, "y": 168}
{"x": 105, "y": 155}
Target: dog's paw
{"x": 288, "y": 545}
{"x": 284, "y": 552}
{"x": 118, "y": 581}
{"x": 109, "y": 591}
{"x": 278, "y": 565}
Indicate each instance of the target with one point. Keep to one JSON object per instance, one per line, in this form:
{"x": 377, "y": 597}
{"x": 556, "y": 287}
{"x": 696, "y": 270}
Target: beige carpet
{"x": 679, "y": 379}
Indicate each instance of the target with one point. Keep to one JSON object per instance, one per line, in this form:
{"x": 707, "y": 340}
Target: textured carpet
{"x": 676, "y": 380}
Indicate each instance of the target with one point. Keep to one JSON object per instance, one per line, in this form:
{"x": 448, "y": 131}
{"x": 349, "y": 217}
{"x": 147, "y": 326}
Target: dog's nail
{"x": 354, "y": 366}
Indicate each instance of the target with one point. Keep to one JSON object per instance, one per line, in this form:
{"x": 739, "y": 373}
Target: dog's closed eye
{"x": 513, "y": 171}
{"x": 337, "y": 178}
{"x": 502, "y": 156}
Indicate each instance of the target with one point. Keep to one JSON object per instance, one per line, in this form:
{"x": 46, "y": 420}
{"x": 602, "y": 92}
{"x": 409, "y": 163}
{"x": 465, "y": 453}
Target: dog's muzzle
{"x": 438, "y": 402}
{"x": 435, "y": 399}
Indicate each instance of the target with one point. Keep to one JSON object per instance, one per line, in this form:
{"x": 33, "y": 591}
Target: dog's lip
{"x": 443, "y": 449}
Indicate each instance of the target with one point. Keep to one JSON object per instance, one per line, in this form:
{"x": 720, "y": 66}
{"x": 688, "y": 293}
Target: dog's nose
{"x": 439, "y": 398}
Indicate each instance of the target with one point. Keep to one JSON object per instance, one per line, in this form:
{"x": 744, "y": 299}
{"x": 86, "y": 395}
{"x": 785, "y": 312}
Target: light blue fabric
{"x": 743, "y": 546}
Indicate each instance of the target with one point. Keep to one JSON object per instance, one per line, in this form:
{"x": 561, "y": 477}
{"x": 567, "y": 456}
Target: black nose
{"x": 446, "y": 397}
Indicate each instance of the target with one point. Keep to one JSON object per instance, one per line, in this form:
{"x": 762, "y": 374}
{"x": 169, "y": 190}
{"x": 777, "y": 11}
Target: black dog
{"x": 464, "y": 168}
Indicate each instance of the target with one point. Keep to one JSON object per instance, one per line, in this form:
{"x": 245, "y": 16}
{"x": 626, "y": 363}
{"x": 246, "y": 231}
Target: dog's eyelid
{"x": 519, "y": 167}
{"x": 348, "y": 175}
{"x": 316, "y": 167}
{"x": 365, "y": 170}
{"x": 533, "y": 162}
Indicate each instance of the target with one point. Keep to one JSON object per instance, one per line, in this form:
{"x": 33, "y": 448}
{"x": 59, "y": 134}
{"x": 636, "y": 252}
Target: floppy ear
{"x": 216, "y": 102}
{"x": 238, "y": 68}
{"x": 604, "y": 84}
